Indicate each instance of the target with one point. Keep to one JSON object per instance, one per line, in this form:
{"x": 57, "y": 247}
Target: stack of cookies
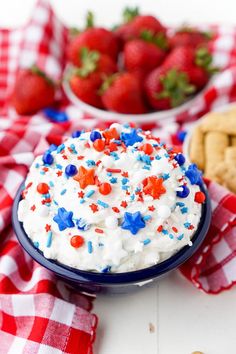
{"x": 213, "y": 147}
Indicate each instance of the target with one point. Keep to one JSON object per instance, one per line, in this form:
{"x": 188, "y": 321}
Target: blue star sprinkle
{"x": 180, "y": 159}
{"x": 133, "y": 222}
{"x": 131, "y": 138}
{"x": 193, "y": 174}
{"x": 64, "y": 219}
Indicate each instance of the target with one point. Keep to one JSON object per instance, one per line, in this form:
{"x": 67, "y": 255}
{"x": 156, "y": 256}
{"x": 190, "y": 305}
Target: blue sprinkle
{"x": 49, "y": 239}
{"x": 171, "y": 236}
{"x": 76, "y": 134}
{"x": 51, "y": 184}
{"x": 124, "y": 180}
{"x": 165, "y": 176}
{"x": 166, "y": 155}
{"x": 58, "y": 166}
{"x": 184, "y": 193}
{"x": 71, "y": 170}
{"x": 147, "y": 241}
{"x": 95, "y": 135}
{"x": 72, "y": 146}
{"x": 125, "y": 188}
{"x": 180, "y": 237}
{"x": 103, "y": 204}
{"x": 37, "y": 165}
{"x": 90, "y": 163}
{"x": 82, "y": 201}
{"x": 180, "y": 204}
{"x": 42, "y": 172}
{"x": 60, "y": 148}
{"x": 90, "y": 247}
{"x": 106, "y": 270}
{"x": 52, "y": 147}
{"x": 157, "y": 157}
{"x": 147, "y": 217}
{"x": 181, "y": 135}
{"x": 180, "y": 159}
{"x": 165, "y": 232}
{"x": 184, "y": 210}
{"x": 137, "y": 189}
{"x": 47, "y": 195}
{"x": 187, "y": 224}
{"x": 55, "y": 202}
{"x": 146, "y": 167}
{"x": 47, "y": 158}
{"x": 113, "y": 180}
{"x": 109, "y": 174}
{"x": 36, "y": 244}
{"x": 55, "y": 115}
{"x": 90, "y": 193}
{"x": 132, "y": 197}
{"x": 146, "y": 159}
{"x": 63, "y": 191}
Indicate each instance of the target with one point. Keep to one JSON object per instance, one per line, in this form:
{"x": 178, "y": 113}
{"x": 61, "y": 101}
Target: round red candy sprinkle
{"x": 99, "y": 145}
{"x": 147, "y": 149}
{"x": 76, "y": 241}
{"x": 199, "y": 197}
{"x": 105, "y": 188}
{"x": 42, "y": 188}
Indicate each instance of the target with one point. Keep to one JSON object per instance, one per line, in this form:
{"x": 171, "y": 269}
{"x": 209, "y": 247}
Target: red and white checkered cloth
{"x": 38, "y": 313}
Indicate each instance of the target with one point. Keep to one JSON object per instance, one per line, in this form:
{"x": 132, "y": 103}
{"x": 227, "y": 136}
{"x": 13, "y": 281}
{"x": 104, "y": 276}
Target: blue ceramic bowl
{"x": 119, "y": 282}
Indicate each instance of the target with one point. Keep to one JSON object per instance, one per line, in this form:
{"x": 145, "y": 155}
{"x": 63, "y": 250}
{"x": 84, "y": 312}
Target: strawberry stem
{"x": 130, "y": 13}
{"x": 204, "y": 59}
{"x": 158, "y": 39}
{"x": 176, "y": 87}
{"x": 107, "y": 82}
{"x": 89, "y": 19}
{"x": 36, "y": 70}
{"x": 89, "y": 60}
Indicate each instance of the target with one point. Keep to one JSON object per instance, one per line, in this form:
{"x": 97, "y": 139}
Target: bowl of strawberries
{"x": 139, "y": 71}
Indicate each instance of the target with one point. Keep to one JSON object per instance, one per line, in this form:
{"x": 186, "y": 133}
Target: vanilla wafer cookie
{"x": 218, "y": 122}
{"x": 226, "y": 175}
{"x": 230, "y": 155}
{"x": 233, "y": 140}
{"x": 197, "y": 148}
{"x": 215, "y": 145}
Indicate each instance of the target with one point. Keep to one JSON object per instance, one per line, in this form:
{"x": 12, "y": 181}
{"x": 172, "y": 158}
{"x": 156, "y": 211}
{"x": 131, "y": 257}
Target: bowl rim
{"x": 141, "y": 275}
{"x": 186, "y": 144}
{"x": 108, "y": 116}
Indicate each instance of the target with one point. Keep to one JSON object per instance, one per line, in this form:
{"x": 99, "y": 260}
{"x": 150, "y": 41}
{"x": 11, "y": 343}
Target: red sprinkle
{"x": 94, "y": 207}
{"x": 33, "y": 208}
{"x": 80, "y": 157}
{"x": 42, "y": 188}
{"x": 199, "y": 197}
{"x": 123, "y": 204}
{"x": 29, "y": 185}
{"x": 113, "y": 170}
{"x": 174, "y": 229}
{"x": 160, "y": 228}
{"x": 105, "y": 188}
{"x": 81, "y": 194}
{"x": 191, "y": 227}
{"x": 125, "y": 174}
{"x": 112, "y": 147}
{"x": 115, "y": 209}
{"x": 147, "y": 149}
{"x": 99, "y": 231}
{"x": 87, "y": 145}
{"x": 76, "y": 241}
{"x": 47, "y": 227}
{"x": 59, "y": 173}
{"x": 151, "y": 208}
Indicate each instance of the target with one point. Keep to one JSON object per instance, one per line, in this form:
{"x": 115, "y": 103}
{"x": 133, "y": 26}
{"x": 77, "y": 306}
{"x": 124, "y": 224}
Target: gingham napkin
{"x": 39, "y": 314}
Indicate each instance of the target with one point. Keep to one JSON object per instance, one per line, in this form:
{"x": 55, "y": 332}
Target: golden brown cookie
{"x": 215, "y": 145}
{"x": 227, "y": 175}
{"x": 233, "y": 140}
{"x": 230, "y": 155}
{"x": 197, "y": 148}
{"x": 219, "y": 122}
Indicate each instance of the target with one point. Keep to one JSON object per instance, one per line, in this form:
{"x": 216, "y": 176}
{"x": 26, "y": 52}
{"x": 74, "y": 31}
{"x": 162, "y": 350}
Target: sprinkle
{"x": 123, "y": 204}
{"x": 47, "y": 227}
{"x": 174, "y": 229}
{"x": 80, "y": 157}
{"x": 113, "y": 180}
{"x": 165, "y": 232}
{"x": 187, "y": 224}
{"x": 93, "y": 207}
{"x": 125, "y": 187}
{"x": 90, "y": 163}
{"x": 106, "y": 270}
{"x": 60, "y": 148}
{"x": 63, "y": 191}
{"x": 147, "y": 241}
{"x": 132, "y": 197}
{"x": 37, "y": 165}
{"x": 109, "y": 174}
{"x": 76, "y": 134}
{"x": 165, "y": 176}
{"x": 82, "y": 224}
{"x": 180, "y": 237}
{"x": 113, "y": 170}
{"x": 115, "y": 209}
{"x": 124, "y": 180}
{"x": 90, "y": 247}
{"x": 157, "y": 157}
{"x": 33, "y": 208}
{"x": 184, "y": 210}
{"x": 42, "y": 172}
{"x": 82, "y": 201}
{"x": 146, "y": 167}
{"x": 180, "y": 204}
{"x": 59, "y": 173}
{"x": 147, "y": 217}
{"x": 103, "y": 204}
{"x": 58, "y": 166}
{"x": 55, "y": 202}
{"x": 51, "y": 184}
{"x": 171, "y": 236}
{"x": 160, "y": 228}
{"x": 99, "y": 231}
{"x": 81, "y": 194}
{"x": 47, "y": 158}
{"x": 49, "y": 239}
{"x": 151, "y": 208}
{"x": 90, "y": 193}
{"x": 36, "y": 244}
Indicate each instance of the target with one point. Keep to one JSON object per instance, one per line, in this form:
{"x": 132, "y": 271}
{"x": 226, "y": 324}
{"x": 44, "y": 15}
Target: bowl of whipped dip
{"x": 113, "y": 210}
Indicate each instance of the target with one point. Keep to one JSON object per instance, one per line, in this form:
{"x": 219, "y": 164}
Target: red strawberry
{"x": 141, "y": 56}
{"x": 33, "y": 91}
{"x": 166, "y": 89}
{"x": 90, "y": 61}
{"x": 122, "y": 93}
{"x": 147, "y": 22}
{"x": 86, "y": 88}
{"x": 125, "y": 31}
{"x": 99, "y": 39}
{"x": 189, "y": 37}
{"x": 186, "y": 59}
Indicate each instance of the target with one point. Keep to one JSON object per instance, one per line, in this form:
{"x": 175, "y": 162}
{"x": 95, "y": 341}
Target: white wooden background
{"x": 184, "y": 319}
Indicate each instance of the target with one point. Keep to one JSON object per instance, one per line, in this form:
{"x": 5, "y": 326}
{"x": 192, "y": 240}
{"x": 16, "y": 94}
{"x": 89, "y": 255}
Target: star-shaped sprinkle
{"x": 123, "y": 204}
{"x": 85, "y": 177}
{"x": 111, "y": 134}
{"x": 93, "y": 207}
{"x": 64, "y": 219}
{"x": 81, "y": 194}
{"x": 59, "y": 173}
{"x": 133, "y": 222}
{"x": 151, "y": 208}
{"x": 131, "y": 138}
{"x": 47, "y": 227}
{"x": 33, "y": 208}
{"x": 154, "y": 187}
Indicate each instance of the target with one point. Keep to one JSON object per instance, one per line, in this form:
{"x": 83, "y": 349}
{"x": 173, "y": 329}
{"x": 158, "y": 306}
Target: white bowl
{"x": 187, "y": 140}
{"x": 109, "y": 116}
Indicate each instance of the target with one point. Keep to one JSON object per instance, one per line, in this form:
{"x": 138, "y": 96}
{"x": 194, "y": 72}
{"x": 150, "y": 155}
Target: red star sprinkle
{"x": 123, "y": 204}
{"x": 45, "y": 169}
{"x": 80, "y": 157}
{"x": 112, "y": 147}
{"x": 33, "y": 208}
{"x": 81, "y": 194}
{"x": 191, "y": 227}
{"x": 87, "y": 145}
{"x": 151, "y": 208}
{"x": 65, "y": 157}
{"x": 154, "y": 186}
{"x": 85, "y": 177}
{"x": 47, "y": 227}
{"x": 59, "y": 173}
{"x": 125, "y": 174}
{"x": 111, "y": 134}
{"x": 94, "y": 207}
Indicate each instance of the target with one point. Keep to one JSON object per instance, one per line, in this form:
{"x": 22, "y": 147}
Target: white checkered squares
{"x": 23, "y": 305}
{"x": 62, "y": 312}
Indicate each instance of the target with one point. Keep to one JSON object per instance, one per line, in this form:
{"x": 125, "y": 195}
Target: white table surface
{"x": 184, "y": 319}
